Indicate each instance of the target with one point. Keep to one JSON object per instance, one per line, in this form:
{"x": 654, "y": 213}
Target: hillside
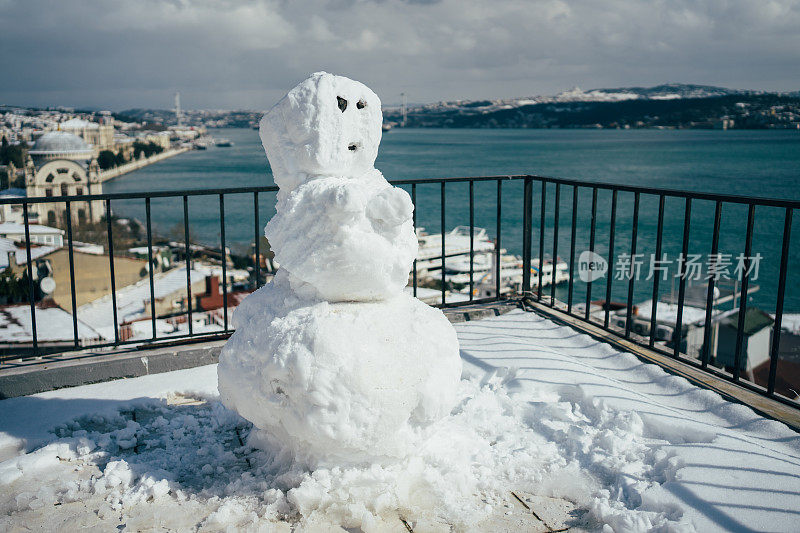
{"x": 662, "y": 106}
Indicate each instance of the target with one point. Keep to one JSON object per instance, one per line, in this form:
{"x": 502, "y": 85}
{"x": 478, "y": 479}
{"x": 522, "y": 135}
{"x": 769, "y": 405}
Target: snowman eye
{"x": 361, "y": 104}
{"x": 342, "y": 103}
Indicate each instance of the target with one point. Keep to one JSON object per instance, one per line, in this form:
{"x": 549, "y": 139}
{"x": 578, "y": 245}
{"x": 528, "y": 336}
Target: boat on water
{"x": 202, "y": 143}
{"x": 386, "y": 127}
{"x": 456, "y": 246}
{"x": 224, "y": 143}
{"x": 485, "y": 257}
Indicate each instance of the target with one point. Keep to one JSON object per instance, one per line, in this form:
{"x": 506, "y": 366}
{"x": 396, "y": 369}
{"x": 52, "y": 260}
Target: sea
{"x": 736, "y": 162}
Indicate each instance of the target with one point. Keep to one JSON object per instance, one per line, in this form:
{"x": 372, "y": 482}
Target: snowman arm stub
{"x": 389, "y": 209}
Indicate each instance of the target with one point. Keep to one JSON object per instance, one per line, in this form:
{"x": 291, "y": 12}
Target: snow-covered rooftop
{"x": 132, "y": 300}
{"x": 20, "y": 253}
{"x": 667, "y": 313}
{"x": 544, "y": 411}
{"x": 12, "y": 228}
{"x": 53, "y": 324}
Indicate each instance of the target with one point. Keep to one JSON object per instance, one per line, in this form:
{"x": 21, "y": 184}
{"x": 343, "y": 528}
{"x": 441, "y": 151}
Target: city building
{"x": 756, "y": 338}
{"x": 62, "y": 164}
{"x": 39, "y": 234}
{"x": 99, "y": 136}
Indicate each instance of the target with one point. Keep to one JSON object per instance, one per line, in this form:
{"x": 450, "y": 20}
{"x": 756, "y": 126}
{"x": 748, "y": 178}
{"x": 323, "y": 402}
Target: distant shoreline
{"x": 121, "y": 170}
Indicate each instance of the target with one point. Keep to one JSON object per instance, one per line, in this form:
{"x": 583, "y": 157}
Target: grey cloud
{"x": 245, "y": 54}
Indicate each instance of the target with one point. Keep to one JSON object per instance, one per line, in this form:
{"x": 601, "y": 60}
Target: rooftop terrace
{"x": 575, "y": 412}
{"x": 582, "y": 433}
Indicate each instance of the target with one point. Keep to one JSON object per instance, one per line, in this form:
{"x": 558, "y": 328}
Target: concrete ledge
{"x": 71, "y": 370}
{"x": 467, "y": 313}
{"x": 29, "y": 376}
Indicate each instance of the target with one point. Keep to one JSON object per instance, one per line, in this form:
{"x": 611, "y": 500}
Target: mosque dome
{"x": 60, "y": 145}
{"x": 78, "y": 124}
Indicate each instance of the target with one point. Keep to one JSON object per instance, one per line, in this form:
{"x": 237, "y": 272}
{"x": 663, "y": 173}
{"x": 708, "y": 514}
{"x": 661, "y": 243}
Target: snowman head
{"x": 326, "y": 126}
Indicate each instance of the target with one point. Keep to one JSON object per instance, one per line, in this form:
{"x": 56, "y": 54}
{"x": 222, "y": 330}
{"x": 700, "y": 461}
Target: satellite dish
{"x": 48, "y": 285}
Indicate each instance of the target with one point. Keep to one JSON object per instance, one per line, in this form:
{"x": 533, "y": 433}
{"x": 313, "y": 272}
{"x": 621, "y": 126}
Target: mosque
{"x": 61, "y": 163}
{"x": 98, "y": 135}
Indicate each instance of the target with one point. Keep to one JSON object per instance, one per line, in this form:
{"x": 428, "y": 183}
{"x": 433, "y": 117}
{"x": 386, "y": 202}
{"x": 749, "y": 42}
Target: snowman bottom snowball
{"x": 339, "y": 383}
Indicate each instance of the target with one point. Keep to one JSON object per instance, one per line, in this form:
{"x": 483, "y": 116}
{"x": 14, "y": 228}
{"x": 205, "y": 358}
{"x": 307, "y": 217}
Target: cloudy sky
{"x": 119, "y": 54}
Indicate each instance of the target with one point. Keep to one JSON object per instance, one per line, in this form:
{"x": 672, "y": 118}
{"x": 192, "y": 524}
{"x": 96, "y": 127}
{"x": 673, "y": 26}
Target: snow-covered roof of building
{"x": 53, "y": 324}
{"x": 78, "y": 123}
{"x": 790, "y": 322}
{"x": 21, "y": 255}
{"x": 754, "y": 321}
{"x": 667, "y": 313}
{"x": 12, "y": 228}
{"x": 132, "y": 300}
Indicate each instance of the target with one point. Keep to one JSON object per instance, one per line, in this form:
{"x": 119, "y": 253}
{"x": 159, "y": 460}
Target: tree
{"x": 15, "y": 289}
{"x": 147, "y": 148}
{"x": 12, "y": 153}
{"x": 106, "y": 159}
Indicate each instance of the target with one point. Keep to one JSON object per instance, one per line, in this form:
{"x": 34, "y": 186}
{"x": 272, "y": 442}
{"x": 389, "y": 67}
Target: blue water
{"x": 750, "y": 163}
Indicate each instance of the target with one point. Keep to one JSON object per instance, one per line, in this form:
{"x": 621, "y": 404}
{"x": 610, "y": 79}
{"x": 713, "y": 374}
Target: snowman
{"x": 332, "y": 361}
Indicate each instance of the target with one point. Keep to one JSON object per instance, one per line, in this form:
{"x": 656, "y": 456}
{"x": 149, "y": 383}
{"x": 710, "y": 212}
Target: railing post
{"x": 471, "y": 239}
{"x": 414, "y": 220}
{"x": 527, "y": 204}
{"x": 150, "y": 266}
{"x": 634, "y": 272}
{"x": 499, "y": 231}
{"x": 68, "y": 215}
{"x": 187, "y": 252}
{"x": 748, "y": 247}
{"x": 776, "y": 332}
{"x": 592, "y": 228}
{"x": 111, "y": 271}
{"x": 704, "y": 357}
{"x": 612, "y": 228}
{"x": 542, "y": 222}
{"x": 659, "y": 241}
{"x": 444, "y": 283}
{"x": 553, "y": 279}
{"x": 224, "y": 261}
{"x": 572, "y": 248}
{"x": 257, "y": 246}
{"x": 29, "y": 266}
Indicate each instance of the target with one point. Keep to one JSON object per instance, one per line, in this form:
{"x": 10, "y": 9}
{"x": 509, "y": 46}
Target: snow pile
{"x": 191, "y": 461}
{"x": 332, "y": 360}
{"x": 543, "y": 410}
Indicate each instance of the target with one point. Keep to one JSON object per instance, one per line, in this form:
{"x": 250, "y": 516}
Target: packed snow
{"x": 542, "y": 409}
{"x": 332, "y": 361}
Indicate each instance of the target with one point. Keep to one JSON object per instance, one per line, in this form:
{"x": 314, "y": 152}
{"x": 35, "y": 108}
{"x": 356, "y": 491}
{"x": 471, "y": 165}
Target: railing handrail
{"x": 675, "y": 193}
{"x": 137, "y": 195}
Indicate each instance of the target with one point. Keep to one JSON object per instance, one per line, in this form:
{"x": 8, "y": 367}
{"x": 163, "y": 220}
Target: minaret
{"x": 405, "y": 114}
{"x": 178, "y": 114}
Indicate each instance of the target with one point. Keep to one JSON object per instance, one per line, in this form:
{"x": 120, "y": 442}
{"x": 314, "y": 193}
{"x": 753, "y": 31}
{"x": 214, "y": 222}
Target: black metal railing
{"x": 550, "y": 221}
{"x": 649, "y": 341}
